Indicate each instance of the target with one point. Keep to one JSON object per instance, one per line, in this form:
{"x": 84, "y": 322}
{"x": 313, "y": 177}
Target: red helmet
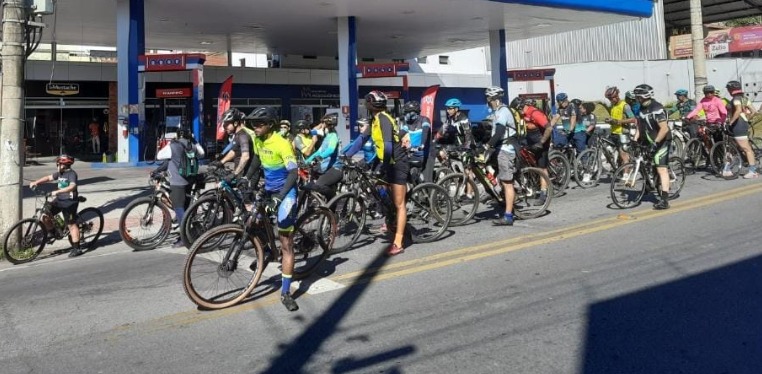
{"x": 65, "y": 160}
{"x": 611, "y": 92}
{"x": 376, "y": 99}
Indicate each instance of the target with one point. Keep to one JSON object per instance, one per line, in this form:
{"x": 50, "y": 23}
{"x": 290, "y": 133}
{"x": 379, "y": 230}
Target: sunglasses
{"x": 284, "y": 128}
{"x": 260, "y": 124}
{"x": 451, "y": 107}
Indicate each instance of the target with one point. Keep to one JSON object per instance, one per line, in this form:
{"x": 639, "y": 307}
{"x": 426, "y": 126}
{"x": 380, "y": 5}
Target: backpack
{"x": 189, "y": 161}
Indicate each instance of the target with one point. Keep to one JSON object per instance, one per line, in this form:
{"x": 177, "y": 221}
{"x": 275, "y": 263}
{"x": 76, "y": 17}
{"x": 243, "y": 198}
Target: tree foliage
{"x": 746, "y": 21}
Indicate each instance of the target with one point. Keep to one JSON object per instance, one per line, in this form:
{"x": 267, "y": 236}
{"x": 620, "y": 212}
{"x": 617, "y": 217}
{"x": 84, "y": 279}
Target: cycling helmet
{"x": 629, "y": 95}
{"x": 376, "y": 99}
{"x": 183, "y": 133}
{"x": 530, "y": 102}
{"x": 494, "y": 92}
{"x": 709, "y": 89}
{"x": 285, "y": 122}
{"x": 516, "y": 103}
{"x": 644, "y": 91}
{"x": 453, "y": 103}
{"x": 264, "y": 115}
{"x": 302, "y": 125}
{"x": 65, "y": 160}
{"x": 734, "y": 86}
{"x": 411, "y": 106}
{"x": 232, "y": 115}
{"x": 611, "y": 92}
{"x": 576, "y": 102}
{"x": 330, "y": 119}
{"x": 363, "y": 122}
{"x": 681, "y": 92}
{"x": 562, "y": 97}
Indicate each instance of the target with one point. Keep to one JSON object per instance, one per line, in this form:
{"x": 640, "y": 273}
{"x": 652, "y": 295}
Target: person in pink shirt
{"x": 713, "y": 107}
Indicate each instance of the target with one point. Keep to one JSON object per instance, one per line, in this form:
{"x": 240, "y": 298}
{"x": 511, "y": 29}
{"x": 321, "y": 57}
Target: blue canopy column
{"x": 130, "y": 41}
{"x": 499, "y": 59}
{"x": 347, "y": 39}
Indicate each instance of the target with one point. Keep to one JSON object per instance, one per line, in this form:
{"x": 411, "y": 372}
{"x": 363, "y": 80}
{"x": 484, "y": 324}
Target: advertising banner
{"x": 223, "y": 104}
{"x": 716, "y": 42}
{"x": 427, "y": 102}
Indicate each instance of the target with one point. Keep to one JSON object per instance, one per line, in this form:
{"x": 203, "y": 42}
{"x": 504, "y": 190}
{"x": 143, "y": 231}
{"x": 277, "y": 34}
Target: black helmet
{"x": 530, "y": 102}
{"x": 264, "y": 115}
{"x": 709, "y": 89}
{"x": 232, "y": 115}
{"x": 183, "y": 133}
{"x": 576, "y": 102}
{"x": 376, "y": 99}
{"x": 302, "y": 125}
{"x": 516, "y": 103}
{"x": 411, "y": 106}
{"x": 330, "y": 119}
{"x": 643, "y": 90}
{"x": 734, "y": 86}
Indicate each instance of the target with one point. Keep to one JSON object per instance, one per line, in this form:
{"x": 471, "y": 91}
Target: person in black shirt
{"x": 654, "y": 131}
{"x": 242, "y": 144}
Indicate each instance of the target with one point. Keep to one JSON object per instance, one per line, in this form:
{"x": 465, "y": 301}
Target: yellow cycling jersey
{"x": 383, "y": 128}
{"x": 617, "y": 113}
{"x": 277, "y": 158}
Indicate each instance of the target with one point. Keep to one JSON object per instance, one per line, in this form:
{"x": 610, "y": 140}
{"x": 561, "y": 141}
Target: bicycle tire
{"x": 145, "y": 220}
{"x": 88, "y": 234}
{"x": 676, "y": 177}
{"x": 724, "y": 154}
{"x": 224, "y": 293}
{"x": 589, "y": 168}
{"x": 627, "y": 189}
{"x": 35, "y": 237}
{"x": 677, "y": 147}
{"x": 462, "y": 209}
{"x": 694, "y": 153}
{"x": 314, "y": 234}
{"x": 351, "y": 216}
{"x": 559, "y": 172}
{"x": 529, "y": 187}
{"x": 206, "y": 212}
{"x": 429, "y": 203}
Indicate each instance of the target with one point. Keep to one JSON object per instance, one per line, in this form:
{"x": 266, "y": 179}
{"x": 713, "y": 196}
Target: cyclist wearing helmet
{"x": 241, "y": 150}
{"x": 329, "y": 146}
{"x": 66, "y": 199}
{"x": 567, "y": 115}
{"x": 621, "y": 114}
{"x": 456, "y": 127}
{"x": 418, "y": 138}
{"x": 740, "y": 111}
{"x": 538, "y": 136}
{"x": 654, "y": 130}
{"x": 285, "y": 129}
{"x": 629, "y": 98}
{"x": 385, "y": 134}
{"x": 713, "y": 107}
{"x": 505, "y": 143}
{"x": 684, "y": 104}
{"x": 274, "y": 155}
{"x": 304, "y": 141}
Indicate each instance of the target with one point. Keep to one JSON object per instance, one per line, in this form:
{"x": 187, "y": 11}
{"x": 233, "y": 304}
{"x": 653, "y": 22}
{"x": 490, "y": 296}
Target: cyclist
{"x": 505, "y": 143}
{"x": 739, "y": 112}
{"x": 629, "y": 98}
{"x": 684, "y": 104}
{"x": 538, "y": 136}
{"x": 304, "y": 141}
{"x": 328, "y": 152}
{"x": 567, "y": 116}
{"x": 585, "y": 125}
{"x": 274, "y": 155}
{"x": 285, "y": 129}
{"x": 66, "y": 199}
{"x": 418, "y": 138}
{"x": 456, "y": 128}
{"x": 179, "y": 187}
{"x": 385, "y": 134}
{"x": 621, "y": 114}
{"x": 713, "y": 107}
{"x": 654, "y": 130}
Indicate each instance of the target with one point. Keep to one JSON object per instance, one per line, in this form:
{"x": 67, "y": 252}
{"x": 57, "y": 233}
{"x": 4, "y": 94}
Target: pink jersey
{"x": 714, "y": 108}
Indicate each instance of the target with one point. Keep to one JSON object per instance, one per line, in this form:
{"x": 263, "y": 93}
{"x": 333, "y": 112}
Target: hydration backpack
{"x": 188, "y": 161}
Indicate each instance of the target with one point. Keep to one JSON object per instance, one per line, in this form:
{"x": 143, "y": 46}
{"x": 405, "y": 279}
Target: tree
{"x": 746, "y": 21}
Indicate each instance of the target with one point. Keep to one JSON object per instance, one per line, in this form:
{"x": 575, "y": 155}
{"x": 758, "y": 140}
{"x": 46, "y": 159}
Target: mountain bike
{"x": 591, "y": 161}
{"x": 26, "y": 239}
{"x": 631, "y": 180}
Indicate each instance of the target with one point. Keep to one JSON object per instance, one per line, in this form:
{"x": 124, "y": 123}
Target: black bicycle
{"x": 631, "y": 180}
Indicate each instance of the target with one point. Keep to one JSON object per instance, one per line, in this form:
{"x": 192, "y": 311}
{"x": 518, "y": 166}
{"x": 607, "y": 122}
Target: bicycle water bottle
{"x": 491, "y": 175}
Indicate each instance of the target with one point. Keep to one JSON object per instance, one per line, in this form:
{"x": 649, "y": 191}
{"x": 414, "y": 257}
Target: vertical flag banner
{"x": 223, "y": 104}
{"x": 427, "y": 102}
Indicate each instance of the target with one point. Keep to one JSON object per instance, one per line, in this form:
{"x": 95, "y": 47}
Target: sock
{"x": 508, "y": 215}
{"x": 75, "y": 245}
{"x": 752, "y": 168}
{"x": 286, "y": 287}
{"x": 179, "y": 214}
{"x": 665, "y": 195}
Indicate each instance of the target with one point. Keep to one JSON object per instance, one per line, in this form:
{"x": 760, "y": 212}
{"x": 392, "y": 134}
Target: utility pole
{"x": 12, "y": 125}
{"x": 699, "y": 57}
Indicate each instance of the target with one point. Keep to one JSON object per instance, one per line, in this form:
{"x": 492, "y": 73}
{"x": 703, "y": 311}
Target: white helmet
{"x": 493, "y": 92}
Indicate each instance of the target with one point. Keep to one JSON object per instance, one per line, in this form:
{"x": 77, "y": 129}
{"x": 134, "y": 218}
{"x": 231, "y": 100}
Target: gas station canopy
{"x": 385, "y": 29}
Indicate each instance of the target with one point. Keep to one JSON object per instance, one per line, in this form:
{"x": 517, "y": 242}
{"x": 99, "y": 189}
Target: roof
{"x": 677, "y": 12}
{"x": 385, "y": 29}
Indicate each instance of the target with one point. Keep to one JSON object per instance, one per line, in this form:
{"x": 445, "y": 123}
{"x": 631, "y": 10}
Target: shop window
{"x": 444, "y": 60}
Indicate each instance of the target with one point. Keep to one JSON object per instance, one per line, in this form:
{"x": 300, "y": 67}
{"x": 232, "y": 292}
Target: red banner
{"x": 223, "y": 104}
{"x": 427, "y": 102}
{"x": 165, "y": 62}
{"x": 717, "y": 42}
{"x": 165, "y": 93}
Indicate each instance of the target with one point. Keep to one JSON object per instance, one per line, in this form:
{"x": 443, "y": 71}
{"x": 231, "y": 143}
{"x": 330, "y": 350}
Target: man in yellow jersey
{"x": 621, "y": 114}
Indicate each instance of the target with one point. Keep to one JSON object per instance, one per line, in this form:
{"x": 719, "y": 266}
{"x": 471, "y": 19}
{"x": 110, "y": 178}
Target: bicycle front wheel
{"x": 145, "y": 223}
{"x": 726, "y": 159}
{"x": 350, "y": 215}
{"x": 588, "y": 168}
{"x": 694, "y": 154}
{"x": 313, "y": 238}
{"x": 627, "y": 186}
{"x": 206, "y": 212}
{"x": 90, "y": 223}
{"x": 559, "y": 171}
{"x": 220, "y": 276}
{"x": 24, "y": 241}
{"x": 528, "y": 184}
{"x": 463, "y": 207}
{"x": 676, "y": 177}
{"x": 429, "y": 212}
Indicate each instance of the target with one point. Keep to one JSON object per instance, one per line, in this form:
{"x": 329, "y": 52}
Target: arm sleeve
{"x": 165, "y": 153}
{"x": 387, "y": 132}
{"x": 628, "y": 113}
{"x": 288, "y": 184}
{"x": 253, "y": 172}
{"x": 695, "y": 110}
{"x": 355, "y": 146}
{"x": 199, "y": 150}
{"x": 498, "y": 136}
{"x": 163, "y": 167}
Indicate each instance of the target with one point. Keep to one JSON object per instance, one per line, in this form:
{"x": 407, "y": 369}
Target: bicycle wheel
{"x": 24, "y": 241}
{"x": 309, "y": 201}
{"x": 145, "y": 223}
{"x": 627, "y": 186}
{"x": 528, "y": 184}
{"x": 313, "y": 237}
{"x": 206, "y": 212}
{"x": 726, "y": 158}
{"x": 441, "y": 172}
{"x": 559, "y": 171}
{"x": 90, "y": 222}
{"x": 677, "y": 147}
{"x": 694, "y": 153}
{"x": 588, "y": 168}
{"x": 429, "y": 212}
{"x": 676, "y": 176}
{"x": 350, "y": 219}
{"x": 220, "y": 276}
{"x": 463, "y": 207}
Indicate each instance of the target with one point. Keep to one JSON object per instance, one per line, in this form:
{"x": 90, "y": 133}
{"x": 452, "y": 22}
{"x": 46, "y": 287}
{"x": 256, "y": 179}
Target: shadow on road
{"x": 706, "y": 323}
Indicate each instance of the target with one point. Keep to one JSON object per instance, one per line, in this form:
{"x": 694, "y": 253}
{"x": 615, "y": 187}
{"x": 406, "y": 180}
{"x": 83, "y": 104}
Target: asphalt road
{"x": 586, "y": 289}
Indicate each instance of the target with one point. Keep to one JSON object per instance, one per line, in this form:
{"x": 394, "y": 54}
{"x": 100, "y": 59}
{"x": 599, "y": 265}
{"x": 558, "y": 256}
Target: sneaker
{"x": 178, "y": 243}
{"x": 541, "y": 198}
{"x": 505, "y": 221}
{"x": 75, "y": 252}
{"x": 465, "y": 199}
{"x": 661, "y": 205}
{"x": 394, "y": 250}
{"x": 289, "y": 302}
{"x": 586, "y": 178}
{"x": 728, "y": 174}
{"x": 751, "y": 175}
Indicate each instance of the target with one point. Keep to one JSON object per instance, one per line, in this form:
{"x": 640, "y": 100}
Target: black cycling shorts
{"x": 68, "y": 207}
{"x": 398, "y": 172}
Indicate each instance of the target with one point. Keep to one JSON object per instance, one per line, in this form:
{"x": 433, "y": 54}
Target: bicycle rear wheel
{"x": 627, "y": 187}
{"x": 24, "y": 241}
{"x": 676, "y": 177}
{"x": 429, "y": 212}
{"x": 145, "y": 224}
{"x": 206, "y": 212}
{"x": 214, "y": 277}
{"x": 694, "y": 154}
{"x": 90, "y": 222}
{"x": 726, "y": 157}
{"x": 463, "y": 208}
{"x": 313, "y": 238}
{"x": 588, "y": 168}
{"x": 559, "y": 171}
{"x": 528, "y": 185}
{"x": 350, "y": 213}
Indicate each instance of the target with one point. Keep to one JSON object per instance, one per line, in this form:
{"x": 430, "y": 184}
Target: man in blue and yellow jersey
{"x": 621, "y": 115}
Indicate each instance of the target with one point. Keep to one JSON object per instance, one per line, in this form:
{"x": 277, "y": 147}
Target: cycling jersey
{"x": 620, "y": 111}
{"x": 684, "y": 107}
{"x": 419, "y": 133}
{"x": 583, "y": 122}
{"x": 277, "y": 159}
{"x": 328, "y": 151}
{"x": 242, "y": 144}
{"x": 566, "y": 114}
{"x": 715, "y": 110}
{"x": 385, "y": 133}
{"x": 457, "y": 130}
{"x": 742, "y": 101}
{"x": 66, "y": 179}
{"x": 301, "y": 142}
{"x": 650, "y": 117}
{"x": 535, "y": 116}
{"x": 502, "y": 117}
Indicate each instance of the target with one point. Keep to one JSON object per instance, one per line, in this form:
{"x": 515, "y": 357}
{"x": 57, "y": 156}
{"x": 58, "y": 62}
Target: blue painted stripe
{"x": 635, "y": 8}
{"x": 503, "y": 62}
{"x": 352, "y": 66}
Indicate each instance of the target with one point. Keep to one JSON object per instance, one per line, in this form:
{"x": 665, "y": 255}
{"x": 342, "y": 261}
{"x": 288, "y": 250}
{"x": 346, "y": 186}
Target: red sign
{"x": 223, "y": 104}
{"x": 167, "y": 93}
{"x": 427, "y": 101}
{"x": 716, "y": 42}
{"x": 531, "y": 75}
{"x": 173, "y": 62}
{"x": 392, "y": 94}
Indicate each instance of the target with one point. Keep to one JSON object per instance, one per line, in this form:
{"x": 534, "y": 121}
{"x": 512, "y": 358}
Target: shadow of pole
{"x": 296, "y": 355}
